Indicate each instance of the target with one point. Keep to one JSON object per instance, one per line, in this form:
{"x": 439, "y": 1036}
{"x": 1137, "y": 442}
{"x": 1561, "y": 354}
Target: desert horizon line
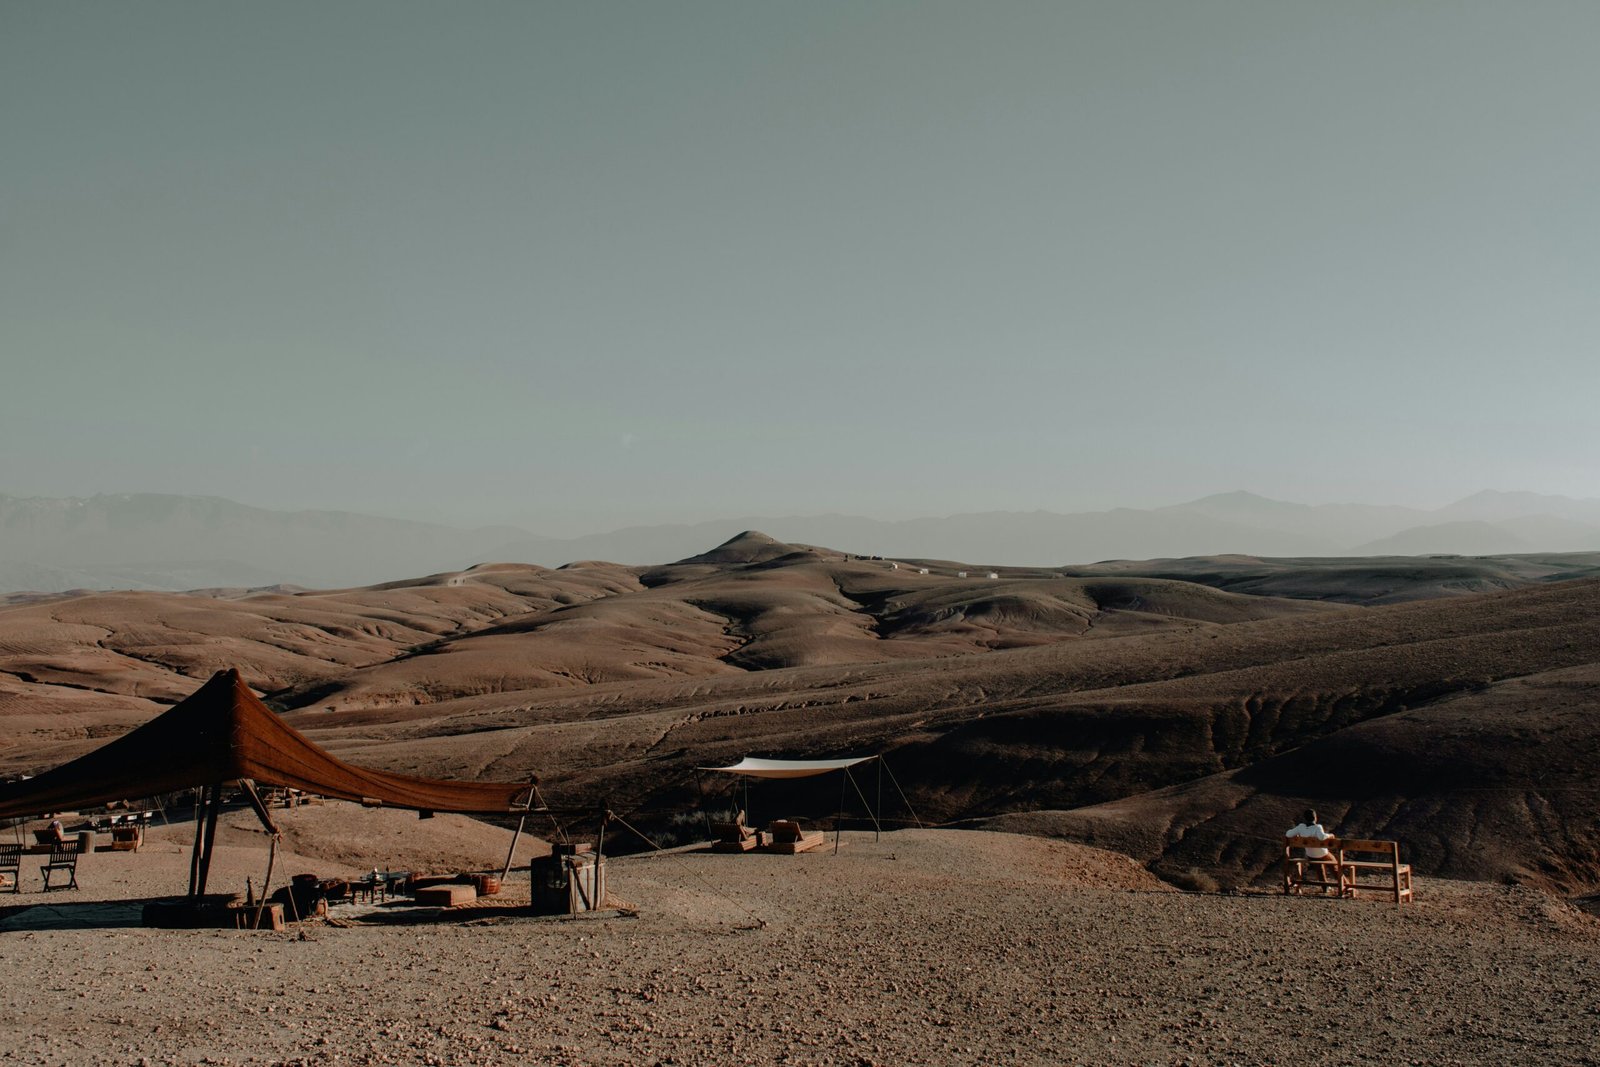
{"x": 523, "y": 527}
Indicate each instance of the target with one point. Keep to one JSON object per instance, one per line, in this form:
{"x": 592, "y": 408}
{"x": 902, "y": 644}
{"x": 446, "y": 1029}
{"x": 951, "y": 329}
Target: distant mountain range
{"x": 150, "y": 541}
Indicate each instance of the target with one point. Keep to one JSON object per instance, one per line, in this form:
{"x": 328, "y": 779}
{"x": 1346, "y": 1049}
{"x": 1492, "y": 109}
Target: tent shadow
{"x": 59, "y": 914}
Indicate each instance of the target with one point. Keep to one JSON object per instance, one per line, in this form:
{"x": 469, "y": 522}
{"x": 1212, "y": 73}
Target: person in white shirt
{"x": 1311, "y": 826}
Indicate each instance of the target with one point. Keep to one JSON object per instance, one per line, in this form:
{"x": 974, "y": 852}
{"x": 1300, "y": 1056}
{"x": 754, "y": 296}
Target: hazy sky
{"x": 589, "y": 264}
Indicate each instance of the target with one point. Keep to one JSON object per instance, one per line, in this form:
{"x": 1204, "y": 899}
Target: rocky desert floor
{"x": 927, "y": 946}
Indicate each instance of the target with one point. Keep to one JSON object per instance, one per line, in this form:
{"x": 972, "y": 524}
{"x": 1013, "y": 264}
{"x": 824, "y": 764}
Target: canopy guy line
{"x": 758, "y": 920}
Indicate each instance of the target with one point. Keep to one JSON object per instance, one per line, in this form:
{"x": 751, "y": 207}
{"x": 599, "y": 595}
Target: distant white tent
{"x": 755, "y": 767}
{"x": 751, "y": 767}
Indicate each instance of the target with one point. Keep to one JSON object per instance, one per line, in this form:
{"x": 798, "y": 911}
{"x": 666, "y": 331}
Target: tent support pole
{"x": 266, "y": 883}
{"x": 505, "y": 869}
{"x": 877, "y": 827}
{"x": 212, "y": 810}
{"x": 838, "y": 822}
{"x": 199, "y": 840}
{"x": 254, "y": 797}
{"x": 505, "y": 872}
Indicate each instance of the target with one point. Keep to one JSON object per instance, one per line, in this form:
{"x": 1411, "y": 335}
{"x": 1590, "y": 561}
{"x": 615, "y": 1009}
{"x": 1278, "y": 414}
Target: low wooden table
{"x": 380, "y": 885}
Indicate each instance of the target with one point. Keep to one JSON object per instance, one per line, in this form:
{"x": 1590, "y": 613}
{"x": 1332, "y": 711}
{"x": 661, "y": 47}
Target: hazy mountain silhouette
{"x": 181, "y": 542}
{"x": 157, "y": 541}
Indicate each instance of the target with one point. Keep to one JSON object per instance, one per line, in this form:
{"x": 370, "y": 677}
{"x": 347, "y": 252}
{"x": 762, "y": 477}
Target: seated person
{"x": 1310, "y": 826}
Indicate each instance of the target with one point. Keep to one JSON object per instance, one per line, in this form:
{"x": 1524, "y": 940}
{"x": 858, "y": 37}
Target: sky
{"x": 580, "y": 266}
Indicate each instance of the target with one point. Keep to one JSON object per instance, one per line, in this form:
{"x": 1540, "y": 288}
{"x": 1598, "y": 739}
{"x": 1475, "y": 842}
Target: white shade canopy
{"x": 787, "y": 768}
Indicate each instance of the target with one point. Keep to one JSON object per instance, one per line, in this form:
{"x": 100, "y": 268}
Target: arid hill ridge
{"x": 1173, "y": 719}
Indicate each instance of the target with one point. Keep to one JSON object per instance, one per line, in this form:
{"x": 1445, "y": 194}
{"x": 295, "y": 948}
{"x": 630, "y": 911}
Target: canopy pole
{"x": 838, "y": 820}
{"x": 505, "y": 868}
{"x": 260, "y": 809}
{"x": 212, "y": 810}
{"x": 878, "y": 829}
{"x": 199, "y": 839}
{"x": 505, "y": 872}
{"x": 266, "y": 884}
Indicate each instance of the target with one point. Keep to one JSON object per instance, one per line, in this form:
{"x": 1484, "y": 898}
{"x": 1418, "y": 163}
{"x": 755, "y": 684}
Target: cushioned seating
{"x": 446, "y": 896}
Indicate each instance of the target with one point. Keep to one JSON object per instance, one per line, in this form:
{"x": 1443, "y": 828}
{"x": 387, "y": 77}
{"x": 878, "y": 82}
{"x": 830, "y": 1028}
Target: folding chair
{"x": 63, "y": 860}
{"x": 11, "y": 867}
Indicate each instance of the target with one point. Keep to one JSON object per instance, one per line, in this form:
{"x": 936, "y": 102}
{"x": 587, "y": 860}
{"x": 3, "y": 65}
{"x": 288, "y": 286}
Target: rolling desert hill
{"x": 511, "y": 628}
{"x": 1360, "y": 580}
{"x": 1178, "y": 719}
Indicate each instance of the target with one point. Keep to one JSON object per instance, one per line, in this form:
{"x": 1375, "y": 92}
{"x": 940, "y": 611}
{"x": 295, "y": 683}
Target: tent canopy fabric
{"x": 223, "y": 732}
{"x": 787, "y": 768}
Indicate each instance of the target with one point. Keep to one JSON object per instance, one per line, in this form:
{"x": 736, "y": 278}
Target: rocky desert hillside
{"x": 1180, "y": 711}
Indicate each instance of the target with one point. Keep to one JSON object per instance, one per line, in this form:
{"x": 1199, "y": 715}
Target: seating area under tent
{"x": 789, "y": 835}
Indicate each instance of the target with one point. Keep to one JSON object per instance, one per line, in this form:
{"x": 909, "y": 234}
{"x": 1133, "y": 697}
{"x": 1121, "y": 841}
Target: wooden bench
{"x": 734, "y": 836}
{"x": 1302, "y": 872}
{"x": 788, "y": 837}
{"x": 1378, "y": 863}
{"x": 52, "y": 841}
{"x": 1352, "y": 866}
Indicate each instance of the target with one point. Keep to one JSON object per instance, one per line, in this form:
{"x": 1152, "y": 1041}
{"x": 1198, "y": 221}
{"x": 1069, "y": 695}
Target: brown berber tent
{"x": 223, "y": 733}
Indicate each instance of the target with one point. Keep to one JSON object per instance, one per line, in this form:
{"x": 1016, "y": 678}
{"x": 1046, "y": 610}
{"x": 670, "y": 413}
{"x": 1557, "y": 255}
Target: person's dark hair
{"x": 1310, "y": 817}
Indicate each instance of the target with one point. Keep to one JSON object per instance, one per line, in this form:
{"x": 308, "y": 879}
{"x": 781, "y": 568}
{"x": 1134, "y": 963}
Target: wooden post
{"x": 260, "y": 807}
{"x": 199, "y": 840}
{"x": 877, "y": 828}
{"x": 838, "y": 821}
{"x": 533, "y": 789}
{"x": 212, "y": 810}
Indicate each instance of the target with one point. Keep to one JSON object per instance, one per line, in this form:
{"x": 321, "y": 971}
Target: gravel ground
{"x": 929, "y": 947}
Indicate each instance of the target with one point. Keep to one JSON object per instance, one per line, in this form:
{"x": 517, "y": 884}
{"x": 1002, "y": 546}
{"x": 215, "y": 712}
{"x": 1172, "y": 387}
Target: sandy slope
{"x": 931, "y": 947}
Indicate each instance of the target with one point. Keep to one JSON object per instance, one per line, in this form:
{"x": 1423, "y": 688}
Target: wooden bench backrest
{"x": 64, "y": 857}
{"x": 1329, "y": 843}
{"x": 1386, "y": 848}
{"x": 10, "y": 855}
